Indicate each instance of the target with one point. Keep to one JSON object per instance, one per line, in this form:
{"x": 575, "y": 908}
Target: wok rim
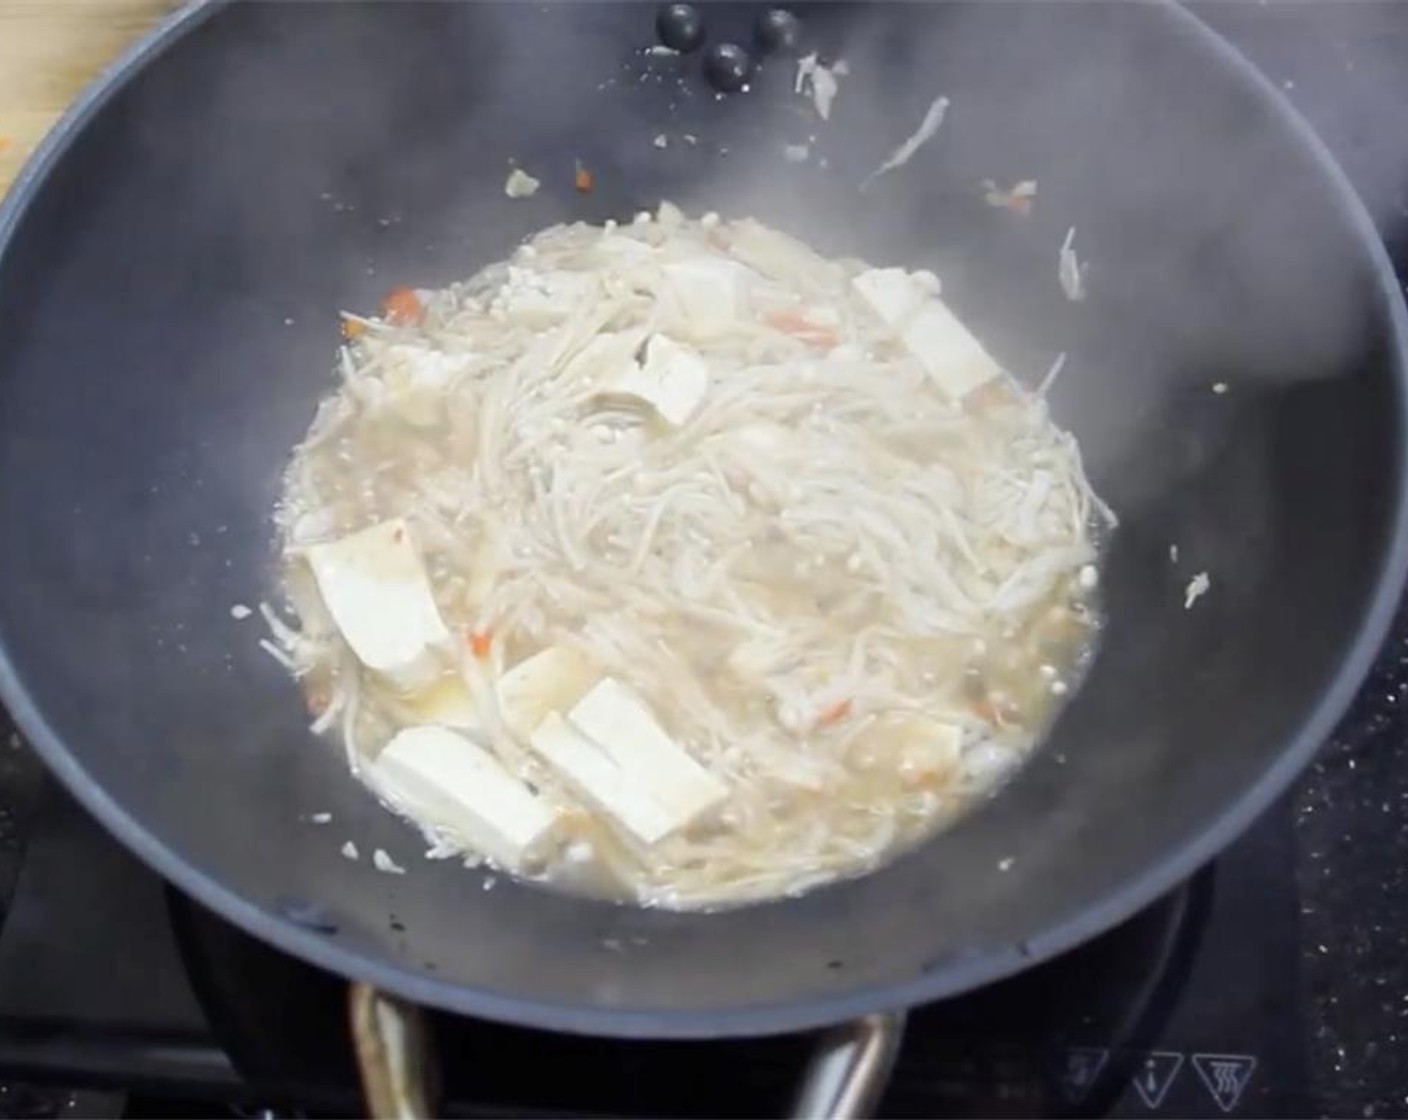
{"x": 976, "y": 969}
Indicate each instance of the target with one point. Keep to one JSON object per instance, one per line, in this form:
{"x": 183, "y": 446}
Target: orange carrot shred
{"x": 787, "y": 320}
{"x": 479, "y": 641}
{"x": 796, "y": 324}
{"x": 353, "y": 328}
{"x": 834, "y": 713}
{"x": 403, "y": 307}
{"x": 991, "y": 395}
{"x": 583, "y": 180}
{"x": 1018, "y": 199}
{"x": 986, "y": 710}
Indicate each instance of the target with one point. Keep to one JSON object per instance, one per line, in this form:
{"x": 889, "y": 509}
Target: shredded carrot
{"x": 834, "y": 713}
{"x": 787, "y": 320}
{"x": 1011, "y": 200}
{"x": 403, "y": 307}
{"x": 479, "y": 642}
{"x": 986, "y": 710}
{"x": 1019, "y": 199}
{"x": 353, "y": 329}
{"x": 796, "y": 324}
{"x": 994, "y": 393}
{"x": 583, "y": 179}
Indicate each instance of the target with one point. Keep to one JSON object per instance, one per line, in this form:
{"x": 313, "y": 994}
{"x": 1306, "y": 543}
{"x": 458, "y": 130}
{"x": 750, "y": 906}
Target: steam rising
{"x": 1216, "y": 250}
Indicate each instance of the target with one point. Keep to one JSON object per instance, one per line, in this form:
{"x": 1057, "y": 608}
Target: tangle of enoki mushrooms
{"x": 828, "y": 545}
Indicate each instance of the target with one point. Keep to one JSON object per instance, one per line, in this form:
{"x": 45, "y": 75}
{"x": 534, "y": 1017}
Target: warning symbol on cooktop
{"x": 1225, "y": 1075}
{"x": 1077, "y": 1070}
{"x": 1154, "y": 1074}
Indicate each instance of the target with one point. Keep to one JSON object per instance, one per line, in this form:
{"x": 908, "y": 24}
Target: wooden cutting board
{"x": 50, "y": 50}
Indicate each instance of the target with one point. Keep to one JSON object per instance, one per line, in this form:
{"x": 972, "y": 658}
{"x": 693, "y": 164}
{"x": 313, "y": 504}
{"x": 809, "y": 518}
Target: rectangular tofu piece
{"x": 709, "y": 291}
{"x": 932, "y": 334}
{"x": 605, "y": 358}
{"x": 892, "y": 293}
{"x": 673, "y": 380}
{"x": 550, "y": 681}
{"x": 444, "y": 779}
{"x": 950, "y": 355}
{"x": 375, "y": 587}
{"x": 615, "y": 717}
{"x": 541, "y": 298}
{"x": 595, "y": 777}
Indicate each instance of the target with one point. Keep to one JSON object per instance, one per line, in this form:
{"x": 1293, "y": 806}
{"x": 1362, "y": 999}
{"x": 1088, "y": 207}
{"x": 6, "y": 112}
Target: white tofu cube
{"x": 892, "y": 293}
{"x": 376, "y": 589}
{"x": 520, "y": 184}
{"x": 599, "y": 781}
{"x": 709, "y": 293}
{"x": 541, "y": 298}
{"x": 605, "y": 359}
{"x": 550, "y": 681}
{"x": 947, "y": 350}
{"x": 673, "y": 380}
{"x": 446, "y": 780}
{"x": 927, "y": 329}
{"x": 621, "y": 722}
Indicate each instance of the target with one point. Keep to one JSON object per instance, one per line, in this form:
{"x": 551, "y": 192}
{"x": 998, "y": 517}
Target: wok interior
{"x": 167, "y": 306}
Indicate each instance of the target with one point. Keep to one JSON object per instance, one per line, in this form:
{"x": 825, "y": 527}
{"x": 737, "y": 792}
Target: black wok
{"x": 170, "y": 268}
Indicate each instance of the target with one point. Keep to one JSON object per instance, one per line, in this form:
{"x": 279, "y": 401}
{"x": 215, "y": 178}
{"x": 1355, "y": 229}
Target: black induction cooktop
{"x": 1195, "y": 1007}
{"x": 1274, "y": 983}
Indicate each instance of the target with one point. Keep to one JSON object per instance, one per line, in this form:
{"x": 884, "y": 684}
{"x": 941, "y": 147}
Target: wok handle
{"x": 843, "y": 1080}
{"x": 850, "y": 1069}
{"x": 395, "y": 1055}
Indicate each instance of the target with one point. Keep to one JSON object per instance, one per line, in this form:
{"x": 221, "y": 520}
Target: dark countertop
{"x": 1352, "y": 826}
{"x": 1345, "y": 68}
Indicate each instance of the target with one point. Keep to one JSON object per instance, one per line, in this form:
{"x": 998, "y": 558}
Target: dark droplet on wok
{"x": 777, "y": 31}
{"x": 727, "y": 66}
{"x": 680, "y": 27}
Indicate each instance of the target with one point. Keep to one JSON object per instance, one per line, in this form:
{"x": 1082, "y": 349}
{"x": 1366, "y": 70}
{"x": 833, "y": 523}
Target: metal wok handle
{"x": 396, "y": 1058}
{"x": 395, "y": 1055}
{"x": 850, "y": 1069}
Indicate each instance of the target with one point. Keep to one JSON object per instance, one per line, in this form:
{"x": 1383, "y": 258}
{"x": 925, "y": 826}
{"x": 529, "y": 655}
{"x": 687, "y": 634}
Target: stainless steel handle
{"x": 850, "y": 1069}
{"x": 394, "y": 1055}
{"x": 843, "y": 1081}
